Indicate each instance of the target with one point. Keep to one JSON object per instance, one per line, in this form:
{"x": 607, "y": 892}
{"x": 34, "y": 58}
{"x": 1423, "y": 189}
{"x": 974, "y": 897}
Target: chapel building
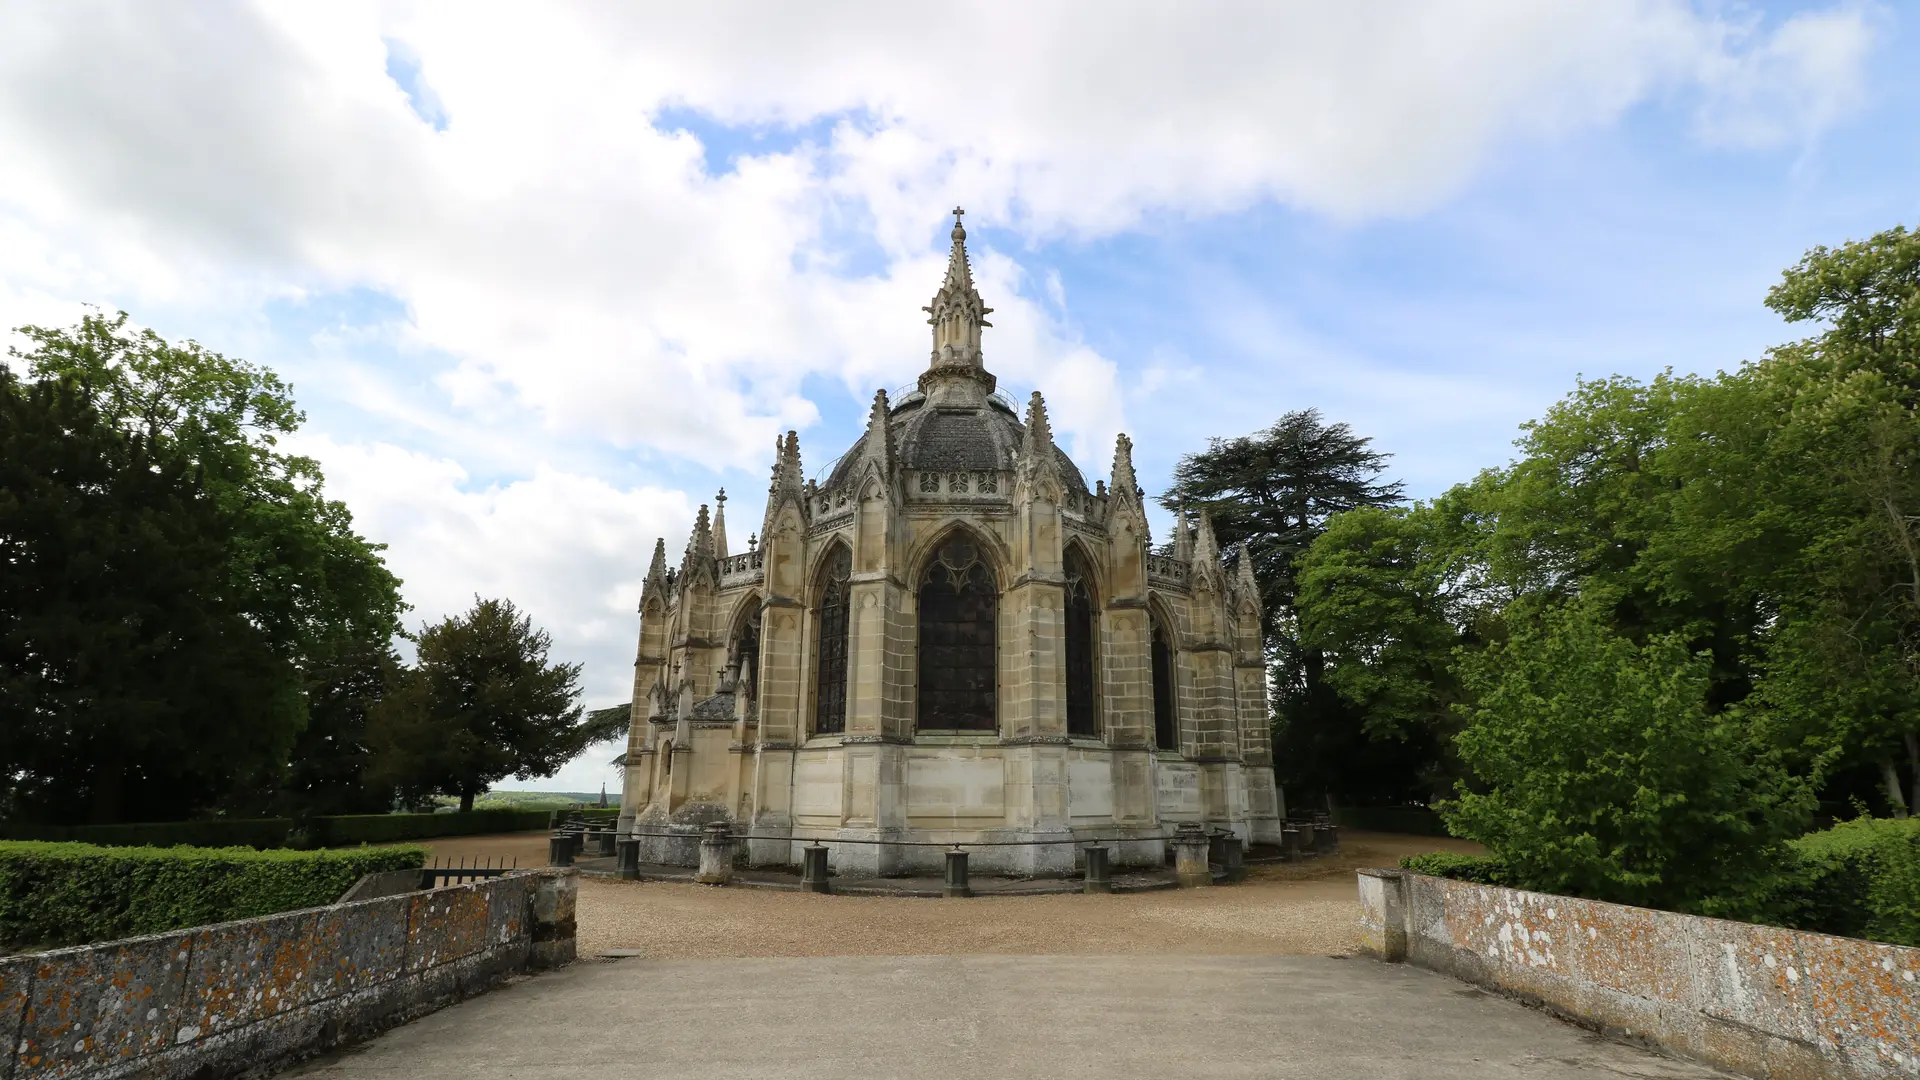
{"x": 948, "y": 636}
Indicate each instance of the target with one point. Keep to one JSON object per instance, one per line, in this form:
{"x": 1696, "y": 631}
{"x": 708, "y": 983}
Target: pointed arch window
{"x": 958, "y": 601}
{"x": 1083, "y": 717}
{"x": 830, "y": 657}
{"x": 1166, "y": 726}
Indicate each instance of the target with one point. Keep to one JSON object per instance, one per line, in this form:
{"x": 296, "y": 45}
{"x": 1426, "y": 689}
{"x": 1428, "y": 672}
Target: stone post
{"x": 555, "y": 897}
{"x": 716, "y": 854}
{"x": 1292, "y": 843}
{"x": 626, "y": 857}
{"x": 560, "y": 850}
{"x": 956, "y": 884}
{"x": 1383, "y": 914}
{"x": 1190, "y": 855}
{"x": 1099, "y": 879}
{"x": 813, "y": 868}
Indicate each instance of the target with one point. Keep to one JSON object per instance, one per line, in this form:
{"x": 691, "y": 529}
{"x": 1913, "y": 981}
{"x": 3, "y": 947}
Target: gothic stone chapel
{"x": 949, "y": 638}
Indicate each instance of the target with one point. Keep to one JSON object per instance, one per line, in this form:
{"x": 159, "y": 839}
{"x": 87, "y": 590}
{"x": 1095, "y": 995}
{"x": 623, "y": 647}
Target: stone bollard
{"x": 560, "y": 850}
{"x": 555, "y": 897}
{"x": 626, "y": 857}
{"x": 1190, "y": 856}
{"x": 604, "y": 845}
{"x": 1099, "y": 877}
{"x": 957, "y": 874}
{"x": 1217, "y": 847}
{"x": 1291, "y": 840}
{"x": 1234, "y": 858}
{"x": 1333, "y": 837}
{"x": 716, "y": 854}
{"x": 813, "y": 868}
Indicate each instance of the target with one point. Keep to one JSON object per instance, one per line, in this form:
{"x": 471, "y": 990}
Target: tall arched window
{"x": 1083, "y": 717}
{"x": 830, "y": 654}
{"x": 958, "y": 603}
{"x": 1166, "y": 727}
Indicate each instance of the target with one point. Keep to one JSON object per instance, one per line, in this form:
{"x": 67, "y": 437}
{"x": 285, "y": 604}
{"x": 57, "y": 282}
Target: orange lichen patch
{"x": 444, "y": 925}
{"x": 247, "y": 971}
{"x": 364, "y": 944}
{"x": 1864, "y": 999}
{"x": 98, "y": 1005}
{"x": 509, "y": 908}
{"x": 1627, "y": 950}
{"x": 1751, "y": 975}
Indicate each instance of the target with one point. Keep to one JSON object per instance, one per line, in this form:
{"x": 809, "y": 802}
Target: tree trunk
{"x": 466, "y": 799}
{"x": 107, "y": 782}
{"x": 1890, "y": 777}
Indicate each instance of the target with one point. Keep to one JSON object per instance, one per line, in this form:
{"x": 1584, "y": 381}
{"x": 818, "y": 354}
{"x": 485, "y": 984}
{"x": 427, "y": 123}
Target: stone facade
{"x": 949, "y": 638}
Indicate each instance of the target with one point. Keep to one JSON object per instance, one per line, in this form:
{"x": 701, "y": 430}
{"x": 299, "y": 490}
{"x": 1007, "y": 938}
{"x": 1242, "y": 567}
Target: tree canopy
{"x": 174, "y": 589}
{"x": 1763, "y": 519}
{"x": 481, "y": 704}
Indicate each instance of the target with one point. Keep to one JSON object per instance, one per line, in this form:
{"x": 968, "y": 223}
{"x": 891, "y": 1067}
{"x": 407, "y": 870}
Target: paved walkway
{"x": 1006, "y": 1017}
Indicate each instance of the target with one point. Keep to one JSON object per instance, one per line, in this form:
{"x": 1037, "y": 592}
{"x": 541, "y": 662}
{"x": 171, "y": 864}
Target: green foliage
{"x": 1480, "y": 869}
{"x": 389, "y": 828}
{"x": 172, "y": 587}
{"x": 1406, "y": 820}
{"x": 1859, "y": 879}
{"x": 345, "y": 830}
{"x": 71, "y": 894}
{"x": 1600, "y": 771}
{"x": 482, "y": 704}
{"x": 1273, "y": 492}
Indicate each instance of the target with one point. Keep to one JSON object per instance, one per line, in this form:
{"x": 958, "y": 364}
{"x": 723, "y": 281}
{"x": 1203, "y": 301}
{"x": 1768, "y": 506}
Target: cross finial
{"x": 722, "y": 497}
{"x": 957, "y": 211}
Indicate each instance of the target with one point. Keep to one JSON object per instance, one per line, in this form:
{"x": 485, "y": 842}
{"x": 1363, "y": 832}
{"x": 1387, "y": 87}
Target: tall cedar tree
{"x": 1274, "y": 491}
{"x": 482, "y": 704}
{"x": 172, "y": 587}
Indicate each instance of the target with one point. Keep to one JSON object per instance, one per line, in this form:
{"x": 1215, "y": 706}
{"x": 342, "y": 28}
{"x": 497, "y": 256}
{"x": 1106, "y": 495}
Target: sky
{"x": 547, "y": 277}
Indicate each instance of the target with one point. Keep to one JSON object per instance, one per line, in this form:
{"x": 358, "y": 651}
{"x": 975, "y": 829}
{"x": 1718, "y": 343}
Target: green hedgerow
{"x": 70, "y": 894}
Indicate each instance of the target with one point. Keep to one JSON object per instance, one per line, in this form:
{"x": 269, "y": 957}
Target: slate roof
{"x": 943, "y": 440}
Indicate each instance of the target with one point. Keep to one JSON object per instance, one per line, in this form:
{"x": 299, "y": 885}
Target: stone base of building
{"x": 674, "y": 839}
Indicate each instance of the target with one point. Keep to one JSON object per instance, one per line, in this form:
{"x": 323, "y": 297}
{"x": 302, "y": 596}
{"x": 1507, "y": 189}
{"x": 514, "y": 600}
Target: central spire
{"x": 957, "y": 315}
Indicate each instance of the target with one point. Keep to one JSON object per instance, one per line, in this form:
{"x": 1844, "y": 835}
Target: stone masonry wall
{"x": 245, "y": 998}
{"x": 1757, "y": 1000}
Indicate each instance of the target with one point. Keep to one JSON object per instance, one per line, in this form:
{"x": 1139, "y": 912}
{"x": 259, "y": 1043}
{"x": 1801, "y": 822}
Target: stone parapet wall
{"x": 245, "y": 998}
{"x": 1757, "y": 1000}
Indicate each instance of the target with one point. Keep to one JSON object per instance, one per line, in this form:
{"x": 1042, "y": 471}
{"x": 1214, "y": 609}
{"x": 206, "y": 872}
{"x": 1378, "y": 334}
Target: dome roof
{"x": 946, "y": 438}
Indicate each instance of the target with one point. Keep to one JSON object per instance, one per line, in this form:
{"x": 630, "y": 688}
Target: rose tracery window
{"x": 958, "y": 601}
{"x": 1082, "y": 715}
{"x": 830, "y": 670}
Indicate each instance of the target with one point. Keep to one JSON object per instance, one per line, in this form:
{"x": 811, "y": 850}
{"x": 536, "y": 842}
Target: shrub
{"x": 1480, "y": 869}
{"x": 1858, "y": 879}
{"x": 350, "y": 829}
{"x": 1603, "y": 773}
{"x": 213, "y": 833}
{"x": 71, "y": 894}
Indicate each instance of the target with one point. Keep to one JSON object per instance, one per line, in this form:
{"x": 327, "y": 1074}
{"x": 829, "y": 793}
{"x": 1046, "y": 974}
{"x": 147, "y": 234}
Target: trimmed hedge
{"x": 252, "y": 832}
{"x": 70, "y": 894}
{"x": 1480, "y": 869}
{"x": 1859, "y": 879}
{"x": 349, "y": 829}
{"x": 345, "y": 830}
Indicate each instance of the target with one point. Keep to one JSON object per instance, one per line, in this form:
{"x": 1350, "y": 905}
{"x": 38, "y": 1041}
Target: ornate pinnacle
{"x": 957, "y": 313}
{"x": 656, "y": 572}
{"x": 1249, "y": 585}
{"x": 1206, "y": 549}
{"x": 1123, "y": 478}
{"x": 720, "y": 524}
{"x": 700, "y": 543}
{"x": 879, "y": 441}
{"x": 1039, "y": 430}
{"x": 1182, "y": 536}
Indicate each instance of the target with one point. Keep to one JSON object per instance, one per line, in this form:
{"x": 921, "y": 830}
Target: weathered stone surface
{"x": 444, "y": 925}
{"x": 242, "y": 972}
{"x": 16, "y": 980}
{"x": 1759, "y": 1000}
{"x": 249, "y": 995}
{"x": 102, "y": 1005}
{"x": 1864, "y": 1001}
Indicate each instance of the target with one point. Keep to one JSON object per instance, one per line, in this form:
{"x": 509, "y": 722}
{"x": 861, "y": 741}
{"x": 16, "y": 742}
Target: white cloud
{"x": 590, "y": 283}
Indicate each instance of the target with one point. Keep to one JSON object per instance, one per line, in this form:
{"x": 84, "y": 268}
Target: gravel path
{"x": 1305, "y": 909}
